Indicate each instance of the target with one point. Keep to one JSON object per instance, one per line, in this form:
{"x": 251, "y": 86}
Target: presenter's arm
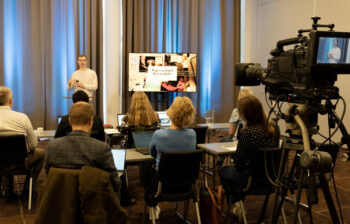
{"x": 71, "y": 83}
{"x": 93, "y": 84}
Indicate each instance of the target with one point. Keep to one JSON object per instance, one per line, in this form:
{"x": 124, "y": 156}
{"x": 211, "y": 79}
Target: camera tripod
{"x": 309, "y": 164}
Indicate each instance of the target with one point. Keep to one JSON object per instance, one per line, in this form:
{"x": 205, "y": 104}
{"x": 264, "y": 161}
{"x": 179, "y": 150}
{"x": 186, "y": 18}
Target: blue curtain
{"x": 39, "y": 44}
{"x": 209, "y": 28}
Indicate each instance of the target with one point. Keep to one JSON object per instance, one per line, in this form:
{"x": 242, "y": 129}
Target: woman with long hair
{"x": 140, "y": 112}
{"x": 258, "y": 133}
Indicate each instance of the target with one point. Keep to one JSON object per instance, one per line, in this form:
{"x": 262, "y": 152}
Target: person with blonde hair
{"x": 257, "y": 133}
{"x": 140, "y": 112}
{"x": 140, "y": 116}
{"x": 177, "y": 137}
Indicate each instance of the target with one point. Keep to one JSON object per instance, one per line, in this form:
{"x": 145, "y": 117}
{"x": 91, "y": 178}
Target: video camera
{"x": 306, "y": 72}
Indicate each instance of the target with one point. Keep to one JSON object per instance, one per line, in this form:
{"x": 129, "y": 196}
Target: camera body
{"x": 308, "y": 71}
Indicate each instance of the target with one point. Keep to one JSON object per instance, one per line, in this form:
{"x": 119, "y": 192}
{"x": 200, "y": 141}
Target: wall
{"x": 267, "y": 21}
{"x": 112, "y": 61}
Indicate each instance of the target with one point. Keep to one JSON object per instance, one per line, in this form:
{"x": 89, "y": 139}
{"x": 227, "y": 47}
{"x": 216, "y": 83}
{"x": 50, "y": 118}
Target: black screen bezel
{"x": 315, "y": 38}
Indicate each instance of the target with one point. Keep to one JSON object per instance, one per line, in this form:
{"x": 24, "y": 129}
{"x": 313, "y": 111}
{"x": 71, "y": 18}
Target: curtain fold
{"x": 39, "y": 46}
{"x": 209, "y": 28}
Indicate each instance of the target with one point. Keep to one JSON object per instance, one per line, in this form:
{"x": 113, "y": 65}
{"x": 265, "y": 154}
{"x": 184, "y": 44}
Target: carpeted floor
{"x": 17, "y": 212}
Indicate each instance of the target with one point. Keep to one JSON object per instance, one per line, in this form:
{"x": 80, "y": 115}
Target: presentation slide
{"x": 162, "y": 72}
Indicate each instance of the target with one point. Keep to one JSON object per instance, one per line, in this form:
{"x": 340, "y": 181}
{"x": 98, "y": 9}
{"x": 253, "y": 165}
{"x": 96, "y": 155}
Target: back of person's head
{"x": 5, "y": 95}
{"x": 80, "y": 95}
{"x": 244, "y": 92}
{"x": 140, "y": 112}
{"x": 182, "y": 111}
{"x": 251, "y": 110}
{"x": 80, "y": 113}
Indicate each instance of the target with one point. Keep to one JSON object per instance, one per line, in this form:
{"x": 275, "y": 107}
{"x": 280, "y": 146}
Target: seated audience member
{"x": 258, "y": 132}
{"x": 79, "y": 149}
{"x": 235, "y": 120}
{"x": 177, "y": 137}
{"x": 64, "y": 127}
{"x": 140, "y": 116}
{"x": 12, "y": 123}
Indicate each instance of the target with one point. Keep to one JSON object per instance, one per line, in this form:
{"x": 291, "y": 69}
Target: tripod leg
{"x": 296, "y": 206}
{"x": 328, "y": 197}
{"x": 294, "y": 201}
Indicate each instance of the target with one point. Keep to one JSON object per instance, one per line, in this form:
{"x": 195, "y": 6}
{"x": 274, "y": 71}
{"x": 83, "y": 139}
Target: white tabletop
{"x": 221, "y": 148}
{"x": 45, "y": 134}
{"x": 111, "y": 131}
{"x": 216, "y": 126}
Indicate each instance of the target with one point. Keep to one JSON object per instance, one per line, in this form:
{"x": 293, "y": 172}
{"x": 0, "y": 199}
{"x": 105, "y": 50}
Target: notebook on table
{"x": 142, "y": 140}
{"x": 119, "y": 156}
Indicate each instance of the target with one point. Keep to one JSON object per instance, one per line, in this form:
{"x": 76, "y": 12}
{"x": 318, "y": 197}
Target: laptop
{"x": 142, "y": 140}
{"x": 164, "y": 119}
{"x": 119, "y": 156}
{"x": 120, "y": 118}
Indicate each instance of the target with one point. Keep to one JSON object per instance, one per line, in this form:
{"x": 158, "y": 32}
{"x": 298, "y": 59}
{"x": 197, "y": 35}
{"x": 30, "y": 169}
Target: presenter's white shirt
{"x": 89, "y": 79}
{"x": 12, "y": 123}
{"x": 335, "y": 52}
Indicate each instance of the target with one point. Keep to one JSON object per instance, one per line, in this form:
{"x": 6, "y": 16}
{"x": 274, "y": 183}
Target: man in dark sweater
{"x": 78, "y": 149}
{"x": 64, "y": 127}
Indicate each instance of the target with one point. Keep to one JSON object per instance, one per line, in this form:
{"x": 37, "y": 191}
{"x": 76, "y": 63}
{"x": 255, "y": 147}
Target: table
{"x": 215, "y": 150}
{"x": 47, "y": 134}
{"x": 212, "y": 128}
{"x": 133, "y": 156}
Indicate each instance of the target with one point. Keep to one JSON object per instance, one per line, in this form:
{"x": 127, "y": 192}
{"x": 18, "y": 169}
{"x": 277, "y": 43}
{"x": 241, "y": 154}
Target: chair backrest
{"x": 258, "y": 169}
{"x": 179, "y": 168}
{"x": 201, "y": 133}
{"x": 13, "y": 149}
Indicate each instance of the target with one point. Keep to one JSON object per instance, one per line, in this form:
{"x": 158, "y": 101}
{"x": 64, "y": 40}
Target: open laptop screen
{"x": 120, "y": 119}
{"x": 119, "y": 158}
{"x": 142, "y": 138}
{"x": 164, "y": 119}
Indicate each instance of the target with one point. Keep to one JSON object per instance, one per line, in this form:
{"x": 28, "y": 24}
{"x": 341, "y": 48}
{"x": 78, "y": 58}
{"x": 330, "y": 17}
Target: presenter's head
{"x": 6, "y": 98}
{"x": 80, "y": 95}
{"x": 82, "y": 61}
{"x": 181, "y": 112}
{"x": 81, "y": 117}
{"x": 335, "y": 43}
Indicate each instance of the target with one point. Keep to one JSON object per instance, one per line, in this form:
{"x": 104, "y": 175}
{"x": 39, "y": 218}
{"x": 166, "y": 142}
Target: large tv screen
{"x": 162, "y": 72}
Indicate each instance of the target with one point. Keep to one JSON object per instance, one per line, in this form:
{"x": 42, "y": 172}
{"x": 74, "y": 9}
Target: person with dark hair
{"x": 257, "y": 133}
{"x": 83, "y": 79}
{"x": 78, "y": 149}
{"x": 64, "y": 127}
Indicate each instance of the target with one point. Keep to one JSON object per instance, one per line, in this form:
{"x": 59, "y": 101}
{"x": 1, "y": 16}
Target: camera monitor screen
{"x": 162, "y": 72}
{"x": 333, "y": 50}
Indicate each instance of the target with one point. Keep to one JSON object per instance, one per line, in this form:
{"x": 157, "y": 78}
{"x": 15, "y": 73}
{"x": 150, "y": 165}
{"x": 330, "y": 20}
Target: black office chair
{"x": 13, "y": 156}
{"x": 201, "y": 133}
{"x": 177, "y": 181}
{"x": 258, "y": 183}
